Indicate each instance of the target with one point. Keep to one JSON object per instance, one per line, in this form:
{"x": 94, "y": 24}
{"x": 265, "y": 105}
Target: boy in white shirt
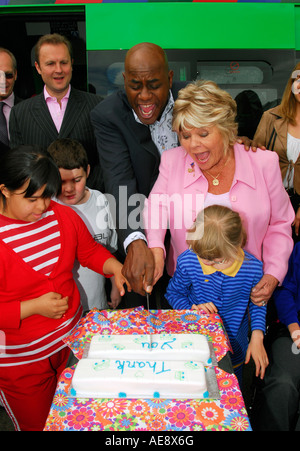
{"x": 93, "y": 208}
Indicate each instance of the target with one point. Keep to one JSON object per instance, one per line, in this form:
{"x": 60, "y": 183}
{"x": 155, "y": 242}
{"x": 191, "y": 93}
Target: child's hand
{"x": 115, "y": 297}
{"x": 257, "y": 350}
{"x": 51, "y": 305}
{"x": 208, "y": 307}
{"x": 294, "y": 330}
{"x": 113, "y": 266}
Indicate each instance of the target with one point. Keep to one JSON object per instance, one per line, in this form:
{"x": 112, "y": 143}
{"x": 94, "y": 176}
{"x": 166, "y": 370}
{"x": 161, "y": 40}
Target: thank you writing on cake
{"x": 157, "y": 367}
{"x": 156, "y": 344}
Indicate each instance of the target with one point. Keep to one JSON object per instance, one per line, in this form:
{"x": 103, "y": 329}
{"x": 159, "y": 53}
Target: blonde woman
{"x": 210, "y": 163}
{"x": 217, "y": 276}
{"x": 279, "y": 130}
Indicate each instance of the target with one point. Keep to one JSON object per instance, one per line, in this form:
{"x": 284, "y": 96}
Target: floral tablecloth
{"x": 74, "y": 414}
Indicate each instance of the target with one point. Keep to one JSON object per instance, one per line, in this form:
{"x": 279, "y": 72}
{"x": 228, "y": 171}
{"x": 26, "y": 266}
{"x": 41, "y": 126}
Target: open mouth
{"x": 202, "y": 157}
{"x": 146, "y": 111}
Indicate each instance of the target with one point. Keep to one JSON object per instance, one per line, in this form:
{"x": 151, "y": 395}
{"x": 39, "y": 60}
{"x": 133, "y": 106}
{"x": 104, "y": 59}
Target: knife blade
{"x": 149, "y": 333}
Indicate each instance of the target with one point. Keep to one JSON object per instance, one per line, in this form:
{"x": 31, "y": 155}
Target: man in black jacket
{"x": 59, "y": 111}
{"x": 8, "y": 70}
{"x": 132, "y": 129}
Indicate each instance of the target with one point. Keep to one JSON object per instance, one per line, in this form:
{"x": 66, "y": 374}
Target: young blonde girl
{"x": 216, "y": 275}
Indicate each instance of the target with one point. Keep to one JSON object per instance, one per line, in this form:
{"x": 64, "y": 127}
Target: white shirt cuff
{"x": 133, "y": 237}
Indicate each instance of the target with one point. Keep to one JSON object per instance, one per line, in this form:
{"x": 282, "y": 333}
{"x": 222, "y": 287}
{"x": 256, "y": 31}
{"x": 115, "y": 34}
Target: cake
{"x": 139, "y": 378}
{"x": 157, "y": 347}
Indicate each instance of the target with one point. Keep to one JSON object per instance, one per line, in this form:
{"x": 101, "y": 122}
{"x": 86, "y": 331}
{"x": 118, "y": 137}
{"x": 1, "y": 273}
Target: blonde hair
{"x": 223, "y": 233}
{"x": 288, "y": 103}
{"x": 204, "y": 104}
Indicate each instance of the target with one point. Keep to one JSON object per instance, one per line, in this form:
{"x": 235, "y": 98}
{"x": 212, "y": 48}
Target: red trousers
{"x": 26, "y": 391}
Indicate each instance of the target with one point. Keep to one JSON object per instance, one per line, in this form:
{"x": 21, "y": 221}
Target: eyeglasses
{"x": 9, "y": 75}
{"x": 213, "y": 262}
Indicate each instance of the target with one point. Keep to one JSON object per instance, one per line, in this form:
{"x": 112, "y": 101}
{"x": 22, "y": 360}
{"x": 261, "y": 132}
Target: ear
{"x": 88, "y": 170}
{"x": 37, "y": 67}
{"x": 170, "y": 75}
{"x": 4, "y": 191}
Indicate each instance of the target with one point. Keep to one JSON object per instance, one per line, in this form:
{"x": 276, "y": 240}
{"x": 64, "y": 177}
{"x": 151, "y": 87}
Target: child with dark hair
{"x": 39, "y": 299}
{"x": 93, "y": 208}
{"x": 216, "y": 275}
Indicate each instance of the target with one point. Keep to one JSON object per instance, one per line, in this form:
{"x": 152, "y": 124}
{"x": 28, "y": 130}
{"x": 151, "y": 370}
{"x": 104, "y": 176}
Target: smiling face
{"x": 55, "y": 68}
{"x": 205, "y": 145}
{"x": 6, "y": 65}
{"x": 147, "y": 81}
{"x": 25, "y": 209}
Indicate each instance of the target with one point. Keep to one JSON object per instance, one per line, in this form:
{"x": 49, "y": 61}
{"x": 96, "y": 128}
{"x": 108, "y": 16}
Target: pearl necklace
{"x": 215, "y": 181}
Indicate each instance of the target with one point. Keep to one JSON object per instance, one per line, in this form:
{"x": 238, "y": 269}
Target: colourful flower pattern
{"x": 71, "y": 414}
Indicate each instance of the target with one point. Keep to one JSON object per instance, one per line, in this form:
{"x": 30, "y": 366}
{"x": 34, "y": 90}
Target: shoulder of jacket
{"x": 274, "y": 113}
{"x": 93, "y": 98}
{"x": 27, "y": 103}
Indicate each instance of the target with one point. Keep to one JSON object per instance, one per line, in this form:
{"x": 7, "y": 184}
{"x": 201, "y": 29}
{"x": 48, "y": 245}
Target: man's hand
{"x": 249, "y": 144}
{"x": 139, "y": 267}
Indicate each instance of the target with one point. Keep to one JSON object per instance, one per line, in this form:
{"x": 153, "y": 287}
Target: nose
{"x": 58, "y": 67}
{"x": 145, "y": 94}
{"x": 68, "y": 187}
{"x": 195, "y": 140}
{"x": 42, "y": 204}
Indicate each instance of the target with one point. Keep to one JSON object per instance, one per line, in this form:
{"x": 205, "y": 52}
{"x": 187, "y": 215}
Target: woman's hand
{"x": 262, "y": 292}
{"x": 51, "y": 305}
{"x": 257, "y": 350}
{"x": 208, "y": 307}
{"x": 159, "y": 261}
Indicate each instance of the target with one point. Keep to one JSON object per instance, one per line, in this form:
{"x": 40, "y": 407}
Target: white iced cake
{"x": 161, "y": 347}
{"x": 139, "y": 378}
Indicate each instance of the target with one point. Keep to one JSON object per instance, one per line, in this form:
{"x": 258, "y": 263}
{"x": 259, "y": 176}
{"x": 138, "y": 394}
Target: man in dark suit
{"x": 8, "y": 70}
{"x": 60, "y": 111}
{"x": 132, "y": 128}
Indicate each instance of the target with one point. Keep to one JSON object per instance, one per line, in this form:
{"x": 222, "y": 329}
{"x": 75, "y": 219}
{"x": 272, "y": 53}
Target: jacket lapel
{"x": 281, "y": 127}
{"x": 191, "y": 171}
{"x": 141, "y": 132}
{"x": 43, "y": 118}
{"x": 72, "y": 113}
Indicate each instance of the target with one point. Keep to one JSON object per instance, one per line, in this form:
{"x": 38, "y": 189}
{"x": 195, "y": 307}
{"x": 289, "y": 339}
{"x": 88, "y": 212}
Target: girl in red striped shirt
{"x": 39, "y": 300}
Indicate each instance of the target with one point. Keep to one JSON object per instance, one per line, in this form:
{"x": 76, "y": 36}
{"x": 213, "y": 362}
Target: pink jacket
{"x": 257, "y": 193}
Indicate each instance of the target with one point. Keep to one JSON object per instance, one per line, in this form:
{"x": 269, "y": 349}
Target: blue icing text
{"x": 155, "y": 344}
{"x": 157, "y": 367}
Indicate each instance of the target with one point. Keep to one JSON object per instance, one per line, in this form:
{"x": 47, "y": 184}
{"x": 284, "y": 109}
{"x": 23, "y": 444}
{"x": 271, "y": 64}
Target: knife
{"x": 148, "y": 307}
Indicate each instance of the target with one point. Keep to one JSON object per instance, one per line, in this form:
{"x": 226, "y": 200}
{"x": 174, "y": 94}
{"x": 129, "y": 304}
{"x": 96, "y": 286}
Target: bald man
{"x": 8, "y": 65}
{"x": 133, "y": 127}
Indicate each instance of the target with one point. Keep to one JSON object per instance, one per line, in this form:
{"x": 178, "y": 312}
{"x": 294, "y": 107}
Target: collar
{"x": 48, "y": 96}
{"x": 9, "y": 101}
{"x": 242, "y": 161}
{"x": 165, "y": 113}
{"x": 231, "y": 271}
